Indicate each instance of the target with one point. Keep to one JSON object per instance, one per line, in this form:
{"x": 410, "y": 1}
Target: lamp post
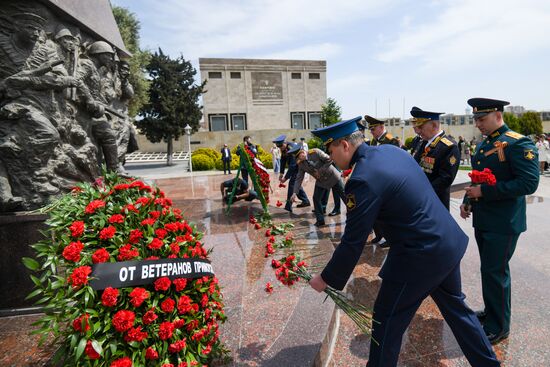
{"x": 187, "y": 130}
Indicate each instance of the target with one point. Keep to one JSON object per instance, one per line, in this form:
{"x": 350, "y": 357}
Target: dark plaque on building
{"x": 267, "y": 86}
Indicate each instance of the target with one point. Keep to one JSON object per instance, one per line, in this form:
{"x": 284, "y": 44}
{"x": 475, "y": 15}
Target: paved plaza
{"x": 294, "y": 327}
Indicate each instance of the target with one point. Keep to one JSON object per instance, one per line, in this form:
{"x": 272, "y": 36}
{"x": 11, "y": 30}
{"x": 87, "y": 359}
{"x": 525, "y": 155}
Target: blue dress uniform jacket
{"x": 426, "y": 241}
{"x": 424, "y": 258}
{"x": 440, "y": 161}
{"x": 513, "y": 160}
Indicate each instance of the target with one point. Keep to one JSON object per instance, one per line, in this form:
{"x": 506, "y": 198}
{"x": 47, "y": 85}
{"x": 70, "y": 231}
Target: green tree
{"x": 330, "y": 112}
{"x": 530, "y": 123}
{"x": 512, "y": 121}
{"x": 173, "y": 100}
{"x": 129, "y": 27}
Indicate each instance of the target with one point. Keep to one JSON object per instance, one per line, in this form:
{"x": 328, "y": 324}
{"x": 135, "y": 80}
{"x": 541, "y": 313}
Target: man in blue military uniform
{"x": 499, "y": 210}
{"x": 291, "y": 173}
{"x": 427, "y": 245}
{"x": 438, "y": 155}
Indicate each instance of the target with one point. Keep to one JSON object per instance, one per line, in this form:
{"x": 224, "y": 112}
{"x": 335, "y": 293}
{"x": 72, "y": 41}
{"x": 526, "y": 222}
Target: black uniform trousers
{"x": 495, "y": 252}
{"x": 320, "y": 195}
{"x": 396, "y": 305}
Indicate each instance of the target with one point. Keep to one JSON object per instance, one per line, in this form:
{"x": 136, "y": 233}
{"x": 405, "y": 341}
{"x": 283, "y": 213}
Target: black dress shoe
{"x": 303, "y": 205}
{"x": 481, "y": 315}
{"x": 288, "y": 209}
{"x": 319, "y": 223}
{"x": 332, "y": 214}
{"x": 496, "y": 338}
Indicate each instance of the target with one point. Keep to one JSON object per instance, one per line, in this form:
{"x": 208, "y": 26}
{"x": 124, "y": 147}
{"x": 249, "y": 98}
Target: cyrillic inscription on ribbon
{"x": 132, "y": 273}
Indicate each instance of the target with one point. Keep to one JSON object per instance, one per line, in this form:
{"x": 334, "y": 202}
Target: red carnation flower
{"x": 135, "y": 236}
{"x": 121, "y": 187}
{"x": 177, "y": 346}
{"x": 155, "y": 244}
{"x": 81, "y": 323}
{"x": 180, "y": 284}
{"x": 138, "y": 296}
{"x": 148, "y": 222}
{"x": 179, "y": 323}
{"x": 161, "y": 233}
{"x": 100, "y": 256}
{"x": 154, "y": 214}
{"x": 130, "y": 208}
{"x": 257, "y": 226}
{"x": 282, "y": 185}
{"x": 149, "y": 317}
{"x": 93, "y": 206}
{"x": 107, "y": 233}
{"x": 123, "y": 320}
{"x": 135, "y": 335}
{"x": 90, "y": 351}
{"x": 126, "y": 252}
{"x": 268, "y": 233}
{"x": 77, "y": 228}
{"x": 72, "y": 251}
{"x": 184, "y": 304}
{"x": 122, "y": 362}
{"x": 167, "y": 305}
{"x": 151, "y": 354}
{"x": 116, "y": 218}
{"x": 162, "y": 284}
{"x": 79, "y": 276}
{"x": 165, "y": 330}
{"x": 174, "y": 248}
{"x": 109, "y": 297}
{"x": 279, "y": 203}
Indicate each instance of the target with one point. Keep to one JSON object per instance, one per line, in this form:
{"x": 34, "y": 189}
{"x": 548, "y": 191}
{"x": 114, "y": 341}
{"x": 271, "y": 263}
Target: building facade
{"x": 254, "y": 94}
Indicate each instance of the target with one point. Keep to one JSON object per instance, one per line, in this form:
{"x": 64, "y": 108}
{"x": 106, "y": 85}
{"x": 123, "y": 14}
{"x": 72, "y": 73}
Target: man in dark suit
{"x": 226, "y": 159}
{"x": 499, "y": 210}
{"x": 427, "y": 245}
{"x": 438, "y": 155}
{"x": 291, "y": 172}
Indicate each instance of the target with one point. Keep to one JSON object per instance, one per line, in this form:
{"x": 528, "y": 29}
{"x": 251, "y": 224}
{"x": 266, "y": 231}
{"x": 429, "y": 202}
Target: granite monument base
{"x": 18, "y": 231}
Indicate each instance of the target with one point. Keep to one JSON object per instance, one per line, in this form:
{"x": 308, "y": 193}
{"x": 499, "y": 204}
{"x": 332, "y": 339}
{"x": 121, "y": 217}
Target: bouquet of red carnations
{"x": 290, "y": 269}
{"x": 480, "y": 177}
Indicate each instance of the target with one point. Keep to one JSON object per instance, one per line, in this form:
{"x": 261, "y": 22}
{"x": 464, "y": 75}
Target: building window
{"x": 314, "y": 120}
{"x": 218, "y": 122}
{"x": 297, "y": 120}
{"x": 314, "y": 76}
{"x": 296, "y": 75}
{"x": 238, "y": 122}
{"x": 214, "y": 74}
{"x": 235, "y": 75}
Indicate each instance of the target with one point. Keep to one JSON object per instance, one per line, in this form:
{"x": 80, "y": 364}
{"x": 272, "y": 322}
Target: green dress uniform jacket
{"x": 513, "y": 160}
{"x": 386, "y": 138}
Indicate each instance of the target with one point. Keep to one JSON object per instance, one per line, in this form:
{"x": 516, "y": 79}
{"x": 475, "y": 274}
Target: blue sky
{"x": 381, "y": 54}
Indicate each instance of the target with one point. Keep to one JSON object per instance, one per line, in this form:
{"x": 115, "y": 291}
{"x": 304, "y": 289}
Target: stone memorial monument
{"x": 64, "y": 92}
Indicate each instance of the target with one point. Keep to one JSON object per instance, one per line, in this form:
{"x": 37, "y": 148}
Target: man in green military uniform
{"x": 379, "y": 134}
{"x": 499, "y": 214}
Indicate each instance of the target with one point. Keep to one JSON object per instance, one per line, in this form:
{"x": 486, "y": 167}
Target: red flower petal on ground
{"x": 279, "y": 203}
{"x": 257, "y": 226}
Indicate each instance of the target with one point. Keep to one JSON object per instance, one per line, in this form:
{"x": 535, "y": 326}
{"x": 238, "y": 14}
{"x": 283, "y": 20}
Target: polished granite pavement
{"x": 290, "y": 327}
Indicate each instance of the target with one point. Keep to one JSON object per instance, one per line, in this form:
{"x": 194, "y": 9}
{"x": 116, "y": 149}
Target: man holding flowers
{"x": 427, "y": 245}
{"x": 499, "y": 208}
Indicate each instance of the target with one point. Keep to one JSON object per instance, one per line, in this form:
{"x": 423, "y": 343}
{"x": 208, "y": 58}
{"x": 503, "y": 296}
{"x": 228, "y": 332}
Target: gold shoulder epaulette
{"x": 446, "y": 141}
{"x": 513, "y": 134}
{"x": 389, "y": 136}
{"x": 312, "y": 150}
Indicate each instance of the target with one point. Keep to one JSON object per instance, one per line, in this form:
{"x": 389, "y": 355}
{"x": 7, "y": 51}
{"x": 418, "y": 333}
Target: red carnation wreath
{"x": 170, "y": 321}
